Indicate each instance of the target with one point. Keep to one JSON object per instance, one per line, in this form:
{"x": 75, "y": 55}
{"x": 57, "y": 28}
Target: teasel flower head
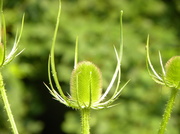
{"x": 7, "y": 58}
{"x": 86, "y": 80}
{"x": 170, "y": 75}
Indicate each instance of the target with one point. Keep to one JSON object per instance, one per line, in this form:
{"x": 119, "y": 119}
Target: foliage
{"x": 96, "y": 22}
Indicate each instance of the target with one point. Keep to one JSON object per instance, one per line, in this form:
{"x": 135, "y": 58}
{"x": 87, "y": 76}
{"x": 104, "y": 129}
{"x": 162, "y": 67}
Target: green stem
{"x": 85, "y": 128}
{"x": 7, "y": 106}
{"x": 167, "y": 112}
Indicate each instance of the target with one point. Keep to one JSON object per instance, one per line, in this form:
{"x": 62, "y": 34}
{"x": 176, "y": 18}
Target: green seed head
{"x": 86, "y": 84}
{"x": 172, "y": 77}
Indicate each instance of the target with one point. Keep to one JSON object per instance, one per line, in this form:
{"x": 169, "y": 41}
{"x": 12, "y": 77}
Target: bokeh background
{"x": 96, "y": 22}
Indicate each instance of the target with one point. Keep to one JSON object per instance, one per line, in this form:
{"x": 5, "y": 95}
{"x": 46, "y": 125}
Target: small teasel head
{"x": 170, "y": 73}
{"x": 5, "y": 59}
{"x": 86, "y": 84}
{"x": 172, "y": 76}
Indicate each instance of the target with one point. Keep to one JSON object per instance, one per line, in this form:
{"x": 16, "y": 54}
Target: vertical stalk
{"x": 167, "y": 112}
{"x": 7, "y": 106}
{"x": 85, "y": 114}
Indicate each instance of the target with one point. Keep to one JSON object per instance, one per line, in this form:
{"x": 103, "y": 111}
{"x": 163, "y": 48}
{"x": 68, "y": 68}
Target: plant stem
{"x": 7, "y": 106}
{"x": 167, "y": 112}
{"x": 85, "y": 128}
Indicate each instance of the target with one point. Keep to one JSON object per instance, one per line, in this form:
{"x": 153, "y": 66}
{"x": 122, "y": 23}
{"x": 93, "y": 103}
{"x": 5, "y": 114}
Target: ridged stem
{"x": 85, "y": 114}
{"x": 167, "y": 112}
{"x": 7, "y": 106}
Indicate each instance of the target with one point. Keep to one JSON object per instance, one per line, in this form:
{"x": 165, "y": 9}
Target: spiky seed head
{"x": 172, "y": 77}
{"x": 86, "y": 84}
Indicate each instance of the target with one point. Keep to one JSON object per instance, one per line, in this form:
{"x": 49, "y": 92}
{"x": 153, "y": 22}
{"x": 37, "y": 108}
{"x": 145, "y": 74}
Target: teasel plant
{"x": 6, "y": 59}
{"x": 85, "y": 82}
{"x": 170, "y": 77}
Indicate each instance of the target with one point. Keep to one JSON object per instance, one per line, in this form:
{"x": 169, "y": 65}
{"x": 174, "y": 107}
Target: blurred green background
{"x": 96, "y": 22}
